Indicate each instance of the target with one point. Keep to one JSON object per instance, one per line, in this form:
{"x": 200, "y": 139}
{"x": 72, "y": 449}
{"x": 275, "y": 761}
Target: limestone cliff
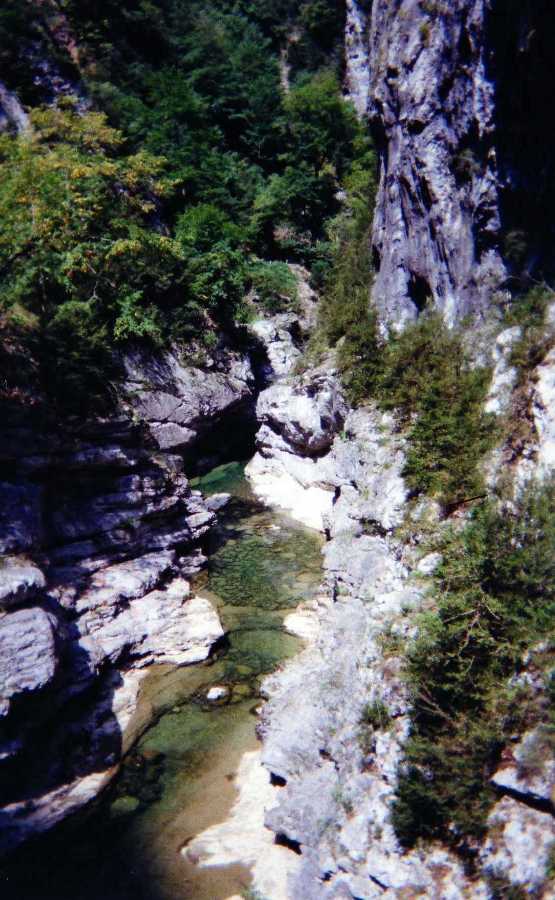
{"x": 342, "y": 470}
{"x": 432, "y": 78}
{"x": 453, "y": 94}
{"x": 431, "y": 104}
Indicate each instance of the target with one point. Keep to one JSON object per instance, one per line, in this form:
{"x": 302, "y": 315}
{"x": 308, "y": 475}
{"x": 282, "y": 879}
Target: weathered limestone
{"x": 106, "y": 531}
{"x": 298, "y": 426}
{"x": 277, "y": 335}
{"x": 519, "y": 844}
{"x": 242, "y": 835}
{"x": 357, "y": 62}
{"x": 181, "y": 403}
{"x": 20, "y": 580}
{"x": 504, "y": 375}
{"x": 431, "y": 104}
{"x": 11, "y": 111}
{"x": 28, "y": 656}
{"x": 544, "y": 415}
{"x": 336, "y": 775}
{"x": 530, "y": 772}
{"x": 339, "y": 780}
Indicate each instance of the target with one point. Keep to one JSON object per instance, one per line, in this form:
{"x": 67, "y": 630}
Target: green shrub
{"x": 76, "y": 249}
{"x": 143, "y": 216}
{"x": 529, "y": 312}
{"x": 275, "y": 286}
{"x": 376, "y": 715}
{"x": 495, "y": 598}
{"x": 422, "y": 376}
{"x": 435, "y": 393}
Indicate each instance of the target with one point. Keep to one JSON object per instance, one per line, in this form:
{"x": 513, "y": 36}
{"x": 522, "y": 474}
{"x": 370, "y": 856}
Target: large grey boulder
{"x": 28, "y": 656}
{"x": 180, "y": 401}
{"x": 307, "y": 415}
{"x": 277, "y": 336}
{"x": 20, "y": 580}
{"x": 519, "y": 845}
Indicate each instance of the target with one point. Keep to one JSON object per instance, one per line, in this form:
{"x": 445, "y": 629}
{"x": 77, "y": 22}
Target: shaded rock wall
{"x": 522, "y": 67}
{"x": 99, "y": 533}
{"x": 205, "y": 413}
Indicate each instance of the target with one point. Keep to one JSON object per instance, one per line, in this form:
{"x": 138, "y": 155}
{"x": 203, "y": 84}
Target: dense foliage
{"x": 174, "y": 175}
{"x": 424, "y": 378}
{"x": 494, "y": 601}
{"x": 528, "y": 311}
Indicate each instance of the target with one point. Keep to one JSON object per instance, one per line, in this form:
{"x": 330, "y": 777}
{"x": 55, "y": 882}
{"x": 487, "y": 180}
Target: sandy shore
{"x": 243, "y": 839}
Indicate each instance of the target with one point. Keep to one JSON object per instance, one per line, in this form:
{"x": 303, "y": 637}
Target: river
{"x": 178, "y": 779}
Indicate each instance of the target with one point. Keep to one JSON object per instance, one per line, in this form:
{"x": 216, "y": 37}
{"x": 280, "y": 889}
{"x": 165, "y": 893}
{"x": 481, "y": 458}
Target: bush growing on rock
{"x": 275, "y": 286}
{"x": 423, "y": 377}
{"x": 494, "y": 600}
{"x": 438, "y": 397}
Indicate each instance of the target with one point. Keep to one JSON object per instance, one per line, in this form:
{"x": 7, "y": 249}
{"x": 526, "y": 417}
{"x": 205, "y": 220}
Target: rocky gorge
{"x": 316, "y": 740}
{"x": 104, "y": 539}
{"x": 113, "y": 530}
{"x": 101, "y": 536}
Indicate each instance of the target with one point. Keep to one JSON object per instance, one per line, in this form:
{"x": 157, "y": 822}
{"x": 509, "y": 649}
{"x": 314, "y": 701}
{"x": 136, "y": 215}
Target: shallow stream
{"x": 179, "y": 777}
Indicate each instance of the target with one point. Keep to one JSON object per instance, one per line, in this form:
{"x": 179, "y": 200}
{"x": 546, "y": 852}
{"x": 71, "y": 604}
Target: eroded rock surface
{"x": 335, "y": 772}
{"x": 432, "y": 104}
{"x": 102, "y": 531}
{"x": 298, "y": 424}
{"x": 183, "y": 403}
{"x": 338, "y": 773}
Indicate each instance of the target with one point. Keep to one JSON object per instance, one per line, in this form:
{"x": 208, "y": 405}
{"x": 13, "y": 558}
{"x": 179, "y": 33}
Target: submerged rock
{"x": 217, "y": 693}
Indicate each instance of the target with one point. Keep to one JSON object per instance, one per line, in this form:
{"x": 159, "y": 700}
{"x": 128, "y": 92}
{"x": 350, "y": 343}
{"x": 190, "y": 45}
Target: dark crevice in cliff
{"x": 283, "y": 841}
{"x": 522, "y": 66}
{"x": 419, "y": 291}
{"x": 229, "y": 438}
{"x": 277, "y": 780}
{"x": 538, "y": 803}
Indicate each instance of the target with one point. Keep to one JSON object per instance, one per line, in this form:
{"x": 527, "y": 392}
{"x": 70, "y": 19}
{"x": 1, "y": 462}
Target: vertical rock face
{"x": 432, "y": 107}
{"x": 357, "y": 62}
{"x": 11, "y": 111}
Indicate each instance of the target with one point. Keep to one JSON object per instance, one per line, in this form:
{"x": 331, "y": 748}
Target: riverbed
{"x": 179, "y": 778}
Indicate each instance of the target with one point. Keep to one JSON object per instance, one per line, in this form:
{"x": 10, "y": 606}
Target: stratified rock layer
{"x": 100, "y": 531}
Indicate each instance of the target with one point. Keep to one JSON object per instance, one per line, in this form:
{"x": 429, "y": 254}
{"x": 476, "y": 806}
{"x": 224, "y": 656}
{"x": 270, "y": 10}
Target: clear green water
{"x": 178, "y": 778}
